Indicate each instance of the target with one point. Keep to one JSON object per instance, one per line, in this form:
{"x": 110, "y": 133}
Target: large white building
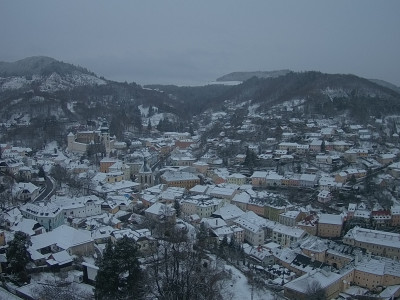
{"x": 237, "y": 178}
{"x": 274, "y": 179}
{"x": 81, "y": 207}
{"x": 285, "y": 235}
{"x": 50, "y": 216}
{"x": 376, "y": 242}
{"x": 253, "y": 233}
{"x": 254, "y": 226}
{"x": 64, "y": 238}
{"x": 203, "y": 206}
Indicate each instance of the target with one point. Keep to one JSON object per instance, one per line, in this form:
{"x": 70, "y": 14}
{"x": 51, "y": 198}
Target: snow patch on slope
{"x": 218, "y": 115}
{"x": 52, "y": 83}
{"x": 56, "y": 83}
{"x": 13, "y": 83}
{"x": 334, "y": 93}
{"x": 70, "y": 106}
{"x": 156, "y": 118}
{"x": 144, "y": 111}
{"x": 253, "y": 108}
{"x": 289, "y": 105}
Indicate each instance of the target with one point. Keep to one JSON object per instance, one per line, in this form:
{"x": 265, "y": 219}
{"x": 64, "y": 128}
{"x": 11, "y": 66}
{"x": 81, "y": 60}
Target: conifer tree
{"x": 323, "y": 146}
{"x": 18, "y": 256}
{"x": 202, "y": 236}
{"x": 177, "y": 207}
{"x": 119, "y": 275}
{"x": 41, "y": 172}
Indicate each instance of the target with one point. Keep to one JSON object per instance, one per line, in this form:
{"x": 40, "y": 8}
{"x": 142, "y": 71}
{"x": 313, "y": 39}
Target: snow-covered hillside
{"x": 156, "y": 117}
{"x": 334, "y": 93}
{"x": 52, "y": 83}
{"x": 56, "y": 82}
{"x": 13, "y": 83}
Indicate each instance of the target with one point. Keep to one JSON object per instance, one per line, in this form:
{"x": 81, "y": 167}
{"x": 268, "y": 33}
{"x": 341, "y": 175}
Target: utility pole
{"x": 252, "y": 289}
{"x": 252, "y": 284}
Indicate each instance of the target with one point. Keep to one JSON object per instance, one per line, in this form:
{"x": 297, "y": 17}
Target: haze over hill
{"x": 243, "y": 76}
{"x": 38, "y": 65}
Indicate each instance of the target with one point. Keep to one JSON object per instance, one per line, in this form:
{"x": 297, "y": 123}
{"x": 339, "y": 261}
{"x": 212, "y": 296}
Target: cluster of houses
{"x": 291, "y": 245}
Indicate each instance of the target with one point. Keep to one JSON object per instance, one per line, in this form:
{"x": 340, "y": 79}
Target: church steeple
{"x": 146, "y": 175}
{"x": 145, "y": 167}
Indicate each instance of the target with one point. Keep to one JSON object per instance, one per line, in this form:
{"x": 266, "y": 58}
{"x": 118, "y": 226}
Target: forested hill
{"x": 38, "y": 93}
{"x": 39, "y": 65}
{"x": 196, "y": 99}
{"x": 328, "y": 94}
{"x": 44, "y": 86}
{"x": 323, "y": 93}
{"x": 40, "y": 96}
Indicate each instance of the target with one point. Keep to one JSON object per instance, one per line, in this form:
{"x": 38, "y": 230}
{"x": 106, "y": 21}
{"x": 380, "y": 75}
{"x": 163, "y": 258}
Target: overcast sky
{"x": 184, "y": 42}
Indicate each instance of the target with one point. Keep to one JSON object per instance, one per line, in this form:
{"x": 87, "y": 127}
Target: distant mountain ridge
{"x": 39, "y": 65}
{"x": 243, "y": 76}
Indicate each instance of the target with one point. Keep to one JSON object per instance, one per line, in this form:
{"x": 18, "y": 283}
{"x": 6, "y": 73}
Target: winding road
{"x": 48, "y": 191}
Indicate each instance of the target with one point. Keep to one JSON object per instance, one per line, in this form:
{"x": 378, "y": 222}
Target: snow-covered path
{"x": 240, "y": 289}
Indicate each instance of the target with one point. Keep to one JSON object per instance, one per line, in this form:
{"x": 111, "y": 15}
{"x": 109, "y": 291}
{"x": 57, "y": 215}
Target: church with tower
{"x": 145, "y": 175}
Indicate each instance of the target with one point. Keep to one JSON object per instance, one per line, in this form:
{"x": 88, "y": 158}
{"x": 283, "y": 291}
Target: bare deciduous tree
{"x": 176, "y": 271}
{"x": 61, "y": 290}
{"x": 315, "y": 291}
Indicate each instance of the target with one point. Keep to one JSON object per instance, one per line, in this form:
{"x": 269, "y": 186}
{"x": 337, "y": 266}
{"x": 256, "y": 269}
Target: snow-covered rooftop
{"x": 374, "y": 237}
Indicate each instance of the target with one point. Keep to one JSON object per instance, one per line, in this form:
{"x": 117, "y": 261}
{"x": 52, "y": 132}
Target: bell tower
{"x": 145, "y": 176}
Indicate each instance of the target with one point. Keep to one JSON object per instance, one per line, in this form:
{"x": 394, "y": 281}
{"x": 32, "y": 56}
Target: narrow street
{"x": 48, "y": 191}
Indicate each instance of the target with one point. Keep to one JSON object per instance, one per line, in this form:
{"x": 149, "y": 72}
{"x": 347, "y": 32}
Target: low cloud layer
{"x": 185, "y": 42}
